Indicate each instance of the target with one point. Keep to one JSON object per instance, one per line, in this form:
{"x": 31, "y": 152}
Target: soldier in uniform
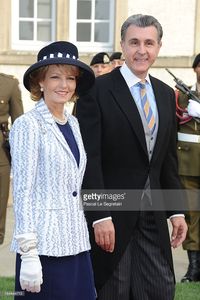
{"x": 188, "y": 149}
{"x": 10, "y": 106}
{"x": 100, "y": 64}
{"x": 116, "y": 59}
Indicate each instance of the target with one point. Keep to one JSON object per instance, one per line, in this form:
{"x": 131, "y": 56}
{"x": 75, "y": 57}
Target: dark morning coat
{"x": 114, "y": 140}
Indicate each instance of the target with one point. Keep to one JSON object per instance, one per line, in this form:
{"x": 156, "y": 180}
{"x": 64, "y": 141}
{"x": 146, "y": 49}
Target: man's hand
{"x": 105, "y": 235}
{"x": 179, "y": 231}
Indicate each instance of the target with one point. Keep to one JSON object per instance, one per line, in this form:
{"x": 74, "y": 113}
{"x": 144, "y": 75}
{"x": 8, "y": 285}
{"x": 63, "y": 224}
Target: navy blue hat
{"x": 65, "y": 53}
{"x": 100, "y": 58}
{"x": 116, "y": 55}
{"x": 196, "y": 61}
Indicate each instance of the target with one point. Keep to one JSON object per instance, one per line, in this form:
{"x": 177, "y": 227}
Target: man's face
{"x": 100, "y": 69}
{"x": 117, "y": 63}
{"x": 140, "y": 48}
{"x": 197, "y": 71}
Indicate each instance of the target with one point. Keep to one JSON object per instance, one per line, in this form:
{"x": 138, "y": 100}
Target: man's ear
{"x": 122, "y": 46}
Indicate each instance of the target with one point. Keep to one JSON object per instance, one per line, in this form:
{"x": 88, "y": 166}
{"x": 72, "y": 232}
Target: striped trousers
{"x": 143, "y": 272}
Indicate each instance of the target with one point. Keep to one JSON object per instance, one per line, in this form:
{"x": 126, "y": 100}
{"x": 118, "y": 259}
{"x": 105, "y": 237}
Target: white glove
{"x": 193, "y": 108}
{"x": 31, "y": 268}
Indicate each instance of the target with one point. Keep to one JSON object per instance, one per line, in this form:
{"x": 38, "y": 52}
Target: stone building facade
{"x": 94, "y": 26}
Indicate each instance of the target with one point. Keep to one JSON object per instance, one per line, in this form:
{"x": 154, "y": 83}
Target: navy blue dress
{"x": 69, "y": 137}
{"x": 66, "y": 277}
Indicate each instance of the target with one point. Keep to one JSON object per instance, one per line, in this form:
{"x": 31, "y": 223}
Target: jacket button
{"x": 74, "y": 193}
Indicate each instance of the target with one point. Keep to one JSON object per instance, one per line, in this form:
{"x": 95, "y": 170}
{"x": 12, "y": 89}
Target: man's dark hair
{"x": 140, "y": 20}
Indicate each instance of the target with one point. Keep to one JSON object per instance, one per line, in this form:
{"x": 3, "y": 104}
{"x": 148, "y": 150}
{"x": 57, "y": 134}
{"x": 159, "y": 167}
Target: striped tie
{"x": 148, "y": 113}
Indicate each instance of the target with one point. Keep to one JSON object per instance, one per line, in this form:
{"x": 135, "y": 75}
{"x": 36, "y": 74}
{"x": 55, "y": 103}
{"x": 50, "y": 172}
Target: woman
{"x": 48, "y": 163}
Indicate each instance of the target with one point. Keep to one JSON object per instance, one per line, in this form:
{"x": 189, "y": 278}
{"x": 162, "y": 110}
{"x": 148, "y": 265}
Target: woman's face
{"x": 59, "y": 84}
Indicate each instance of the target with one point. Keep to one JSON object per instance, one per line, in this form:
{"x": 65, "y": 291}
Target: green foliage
{"x": 6, "y": 288}
{"x": 187, "y": 291}
{"x": 184, "y": 291}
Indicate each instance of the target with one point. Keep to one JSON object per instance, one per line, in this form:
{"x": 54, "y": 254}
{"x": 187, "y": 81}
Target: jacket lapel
{"x": 124, "y": 99}
{"x": 45, "y": 114}
{"x": 77, "y": 136}
{"x": 162, "y": 115}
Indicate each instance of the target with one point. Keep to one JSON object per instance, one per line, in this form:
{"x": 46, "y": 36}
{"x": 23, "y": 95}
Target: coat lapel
{"x": 77, "y": 136}
{"x": 123, "y": 97}
{"x": 44, "y": 113}
{"x": 162, "y": 116}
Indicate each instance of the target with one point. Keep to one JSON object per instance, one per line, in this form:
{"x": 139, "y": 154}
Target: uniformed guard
{"x": 10, "y": 108}
{"x": 100, "y": 64}
{"x": 117, "y": 59}
{"x": 188, "y": 149}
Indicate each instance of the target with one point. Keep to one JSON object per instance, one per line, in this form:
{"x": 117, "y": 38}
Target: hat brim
{"x": 85, "y": 81}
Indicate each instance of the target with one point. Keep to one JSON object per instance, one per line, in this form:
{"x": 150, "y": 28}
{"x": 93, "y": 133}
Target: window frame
{"x": 91, "y": 46}
{"x": 30, "y": 45}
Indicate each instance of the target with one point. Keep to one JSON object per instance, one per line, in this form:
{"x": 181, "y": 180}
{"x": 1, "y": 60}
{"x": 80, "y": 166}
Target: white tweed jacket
{"x": 47, "y": 184}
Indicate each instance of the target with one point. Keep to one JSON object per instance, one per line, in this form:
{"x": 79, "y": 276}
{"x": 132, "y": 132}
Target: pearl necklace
{"x": 60, "y": 122}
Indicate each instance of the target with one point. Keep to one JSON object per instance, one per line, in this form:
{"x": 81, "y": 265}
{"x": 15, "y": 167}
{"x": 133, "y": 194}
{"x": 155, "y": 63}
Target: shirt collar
{"x": 130, "y": 78}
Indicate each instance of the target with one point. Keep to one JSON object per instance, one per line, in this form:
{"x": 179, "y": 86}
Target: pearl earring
{"x": 41, "y": 89}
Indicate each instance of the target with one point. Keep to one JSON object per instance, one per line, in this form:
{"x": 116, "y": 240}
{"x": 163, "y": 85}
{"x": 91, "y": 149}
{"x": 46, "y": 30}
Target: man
{"x": 188, "y": 149}
{"x": 10, "y": 106}
{"x": 100, "y": 64}
{"x": 116, "y": 59}
{"x": 131, "y": 250}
